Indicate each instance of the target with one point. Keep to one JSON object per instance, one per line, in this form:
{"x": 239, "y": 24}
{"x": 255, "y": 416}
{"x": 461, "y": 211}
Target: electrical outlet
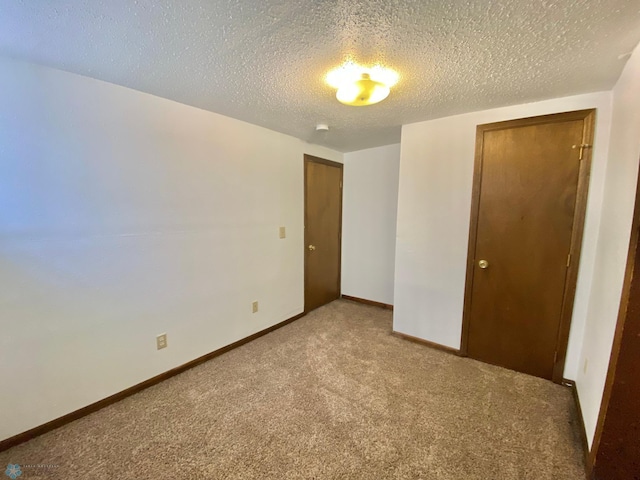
{"x": 161, "y": 341}
{"x": 283, "y": 232}
{"x": 586, "y": 362}
{"x": 254, "y": 307}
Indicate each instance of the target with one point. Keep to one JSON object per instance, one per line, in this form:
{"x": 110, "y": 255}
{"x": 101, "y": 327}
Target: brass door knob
{"x": 312, "y": 247}
{"x": 483, "y": 264}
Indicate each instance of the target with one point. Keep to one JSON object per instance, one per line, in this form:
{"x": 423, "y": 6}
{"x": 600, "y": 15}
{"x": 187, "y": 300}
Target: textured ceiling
{"x": 264, "y": 61}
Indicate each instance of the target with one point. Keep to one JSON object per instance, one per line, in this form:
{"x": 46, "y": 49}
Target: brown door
{"x": 323, "y": 226}
{"x": 527, "y": 215}
{"x": 616, "y": 446}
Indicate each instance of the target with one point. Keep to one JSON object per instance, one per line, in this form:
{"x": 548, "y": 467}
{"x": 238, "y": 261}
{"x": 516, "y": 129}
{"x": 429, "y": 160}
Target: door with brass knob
{"x": 529, "y": 197}
{"x": 323, "y": 224}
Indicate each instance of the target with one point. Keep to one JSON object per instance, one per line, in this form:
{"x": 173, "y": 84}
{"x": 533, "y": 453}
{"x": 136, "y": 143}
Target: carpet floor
{"x": 331, "y": 396}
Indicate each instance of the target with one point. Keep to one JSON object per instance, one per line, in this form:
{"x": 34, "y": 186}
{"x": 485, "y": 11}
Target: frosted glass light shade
{"x": 362, "y": 92}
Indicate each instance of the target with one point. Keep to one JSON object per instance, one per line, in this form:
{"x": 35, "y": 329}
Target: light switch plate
{"x": 161, "y": 341}
{"x": 283, "y": 232}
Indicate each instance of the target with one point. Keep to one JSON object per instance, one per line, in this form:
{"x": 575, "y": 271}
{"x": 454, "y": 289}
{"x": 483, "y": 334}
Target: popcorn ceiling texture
{"x": 264, "y": 61}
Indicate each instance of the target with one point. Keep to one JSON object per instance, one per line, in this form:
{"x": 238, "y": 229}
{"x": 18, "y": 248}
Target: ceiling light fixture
{"x": 359, "y": 86}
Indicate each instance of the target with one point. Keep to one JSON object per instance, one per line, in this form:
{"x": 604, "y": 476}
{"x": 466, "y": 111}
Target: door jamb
{"x": 588, "y": 116}
{"x": 625, "y": 299}
{"x": 310, "y": 158}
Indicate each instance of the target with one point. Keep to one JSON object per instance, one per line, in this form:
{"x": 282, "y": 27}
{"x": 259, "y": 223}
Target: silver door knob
{"x": 483, "y": 264}
{"x": 312, "y": 247}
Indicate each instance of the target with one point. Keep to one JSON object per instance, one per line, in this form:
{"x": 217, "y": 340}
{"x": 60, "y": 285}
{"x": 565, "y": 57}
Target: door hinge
{"x": 582, "y": 146}
{"x": 568, "y": 260}
{"x": 555, "y": 358}
{"x": 340, "y": 183}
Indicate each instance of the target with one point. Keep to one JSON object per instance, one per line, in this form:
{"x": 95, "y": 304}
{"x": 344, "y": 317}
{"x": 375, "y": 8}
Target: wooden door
{"x": 323, "y": 231}
{"x": 529, "y": 197}
{"x": 616, "y": 446}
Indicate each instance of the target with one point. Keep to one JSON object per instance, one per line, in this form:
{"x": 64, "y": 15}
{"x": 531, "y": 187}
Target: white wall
{"x": 613, "y": 242}
{"x": 122, "y": 216}
{"x": 436, "y": 170}
{"x": 369, "y": 210}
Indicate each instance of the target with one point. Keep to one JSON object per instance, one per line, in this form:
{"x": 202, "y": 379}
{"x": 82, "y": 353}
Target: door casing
{"x": 588, "y": 116}
{"x": 620, "y": 396}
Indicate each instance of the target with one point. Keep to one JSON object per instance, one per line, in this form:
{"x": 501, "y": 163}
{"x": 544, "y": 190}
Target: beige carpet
{"x": 330, "y": 396}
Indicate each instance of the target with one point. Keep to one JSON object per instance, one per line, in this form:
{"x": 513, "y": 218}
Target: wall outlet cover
{"x": 586, "y": 363}
{"x": 254, "y": 307}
